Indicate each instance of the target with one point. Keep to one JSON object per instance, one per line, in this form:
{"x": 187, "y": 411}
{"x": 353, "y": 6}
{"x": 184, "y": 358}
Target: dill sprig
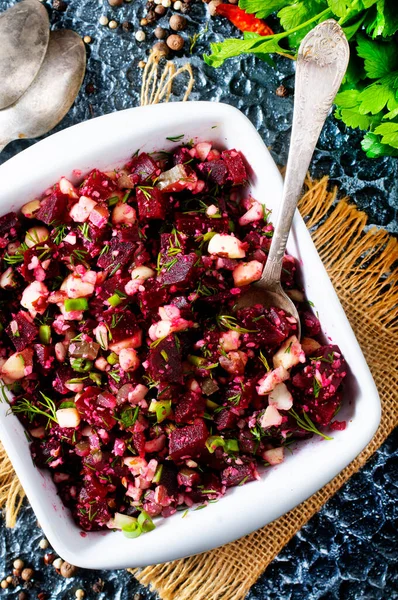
{"x": 45, "y": 408}
{"x": 230, "y": 322}
{"x": 304, "y": 422}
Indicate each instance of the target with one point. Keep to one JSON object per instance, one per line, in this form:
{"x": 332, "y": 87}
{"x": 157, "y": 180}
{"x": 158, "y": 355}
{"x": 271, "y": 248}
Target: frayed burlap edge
{"x": 361, "y": 266}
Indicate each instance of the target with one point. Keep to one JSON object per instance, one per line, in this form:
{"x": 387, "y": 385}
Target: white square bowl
{"x": 109, "y": 141}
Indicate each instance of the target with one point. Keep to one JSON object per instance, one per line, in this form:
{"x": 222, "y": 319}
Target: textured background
{"x": 348, "y": 550}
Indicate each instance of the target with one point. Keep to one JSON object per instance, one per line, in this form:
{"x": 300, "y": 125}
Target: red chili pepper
{"x": 242, "y": 20}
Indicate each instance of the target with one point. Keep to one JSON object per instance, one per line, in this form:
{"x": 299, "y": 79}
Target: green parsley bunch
{"x": 368, "y": 98}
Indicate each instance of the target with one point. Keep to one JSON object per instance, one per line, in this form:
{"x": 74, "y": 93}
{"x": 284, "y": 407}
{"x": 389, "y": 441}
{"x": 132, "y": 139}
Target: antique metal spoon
{"x": 24, "y": 35}
{"x": 51, "y": 94}
{"x": 321, "y": 64}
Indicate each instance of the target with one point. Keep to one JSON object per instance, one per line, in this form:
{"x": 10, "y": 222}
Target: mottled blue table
{"x": 347, "y": 551}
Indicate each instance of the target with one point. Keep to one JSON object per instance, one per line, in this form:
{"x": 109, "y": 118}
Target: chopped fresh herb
{"x": 175, "y": 138}
{"x": 85, "y": 231}
{"x": 289, "y": 348}
{"x": 45, "y": 408}
{"x": 229, "y": 322}
{"x": 317, "y": 387}
{"x": 105, "y": 249}
{"x": 164, "y": 355}
{"x": 304, "y": 422}
{"x": 264, "y": 361}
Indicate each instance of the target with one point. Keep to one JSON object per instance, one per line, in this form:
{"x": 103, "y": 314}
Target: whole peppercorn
{"x": 9, "y": 579}
{"x": 22, "y": 596}
{"x": 18, "y": 564}
{"x": 59, "y": 5}
{"x": 4, "y": 584}
{"x": 113, "y": 24}
{"x": 27, "y": 574}
{"x": 150, "y": 16}
{"x": 142, "y": 64}
{"x": 161, "y": 49}
{"x": 16, "y": 572}
{"x": 281, "y": 91}
{"x": 115, "y": 3}
{"x": 160, "y": 10}
{"x": 175, "y": 42}
{"x": 79, "y": 594}
{"x": 49, "y": 557}
{"x": 98, "y": 586}
{"x": 140, "y": 35}
{"x": 57, "y": 563}
{"x": 127, "y": 26}
{"x": 103, "y": 20}
{"x": 143, "y": 22}
{"x": 87, "y": 40}
{"x": 68, "y": 570}
{"x": 178, "y": 23}
{"x": 160, "y": 33}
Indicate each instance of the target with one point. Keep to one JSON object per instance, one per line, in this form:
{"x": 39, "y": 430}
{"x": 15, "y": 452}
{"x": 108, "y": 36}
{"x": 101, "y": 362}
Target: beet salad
{"x": 142, "y": 389}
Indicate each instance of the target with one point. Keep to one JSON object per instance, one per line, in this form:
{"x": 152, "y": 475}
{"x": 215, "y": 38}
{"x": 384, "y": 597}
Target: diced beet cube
{"x": 225, "y": 419}
{"x": 214, "y": 170}
{"x": 8, "y": 224}
{"x": 39, "y": 256}
{"x": 268, "y": 327}
{"x": 199, "y": 224}
{"x": 63, "y": 374}
{"x": 53, "y": 208}
{"x": 188, "y": 441}
{"x": 92, "y": 516}
{"x": 21, "y": 331}
{"x": 189, "y": 407}
{"x": 119, "y": 254}
{"x": 98, "y": 186}
{"x": 151, "y": 299}
{"x": 151, "y": 204}
{"x": 323, "y": 412}
{"x": 311, "y": 324}
{"x": 143, "y": 168}
{"x": 247, "y": 444}
{"x": 235, "y": 165}
{"x": 44, "y": 356}
{"x": 321, "y": 378}
{"x": 139, "y": 442}
{"x": 44, "y": 451}
{"x": 338, "y": 425}
{"x": 182, "y": 156}
{"x": 211, "y": 481}
{"x": 122, "y": 324}
{"x": 160, "y": 369}
{"x": 238, "y": 474}
{"x": 181, "y": 272}
{"x": 168, "y": 478}
{"x": 94, "y": 409}
{"x": 110, "y": 286}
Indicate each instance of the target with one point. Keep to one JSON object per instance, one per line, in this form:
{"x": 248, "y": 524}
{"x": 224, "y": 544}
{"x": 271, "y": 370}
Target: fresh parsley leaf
{"x": 263, "y": 9}
{"x": 389, "y": 133}
{"x": 374, "y": 148}
{"x": 380, "y": 57}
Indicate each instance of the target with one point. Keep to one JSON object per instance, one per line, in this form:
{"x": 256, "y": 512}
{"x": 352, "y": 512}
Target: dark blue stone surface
{"x": 348, "y": 550}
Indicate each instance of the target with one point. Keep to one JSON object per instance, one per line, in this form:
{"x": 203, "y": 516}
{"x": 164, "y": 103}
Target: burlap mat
{"x": 361, "y": 264}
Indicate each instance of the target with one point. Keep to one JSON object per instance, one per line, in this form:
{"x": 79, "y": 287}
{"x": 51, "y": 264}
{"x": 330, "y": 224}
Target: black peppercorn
{"x": 127, "y": 26}
{"x": 59, "y": 5}
{"x": 281, "y": 91}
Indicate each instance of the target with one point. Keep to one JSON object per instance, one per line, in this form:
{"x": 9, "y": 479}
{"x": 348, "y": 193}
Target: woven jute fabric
{"x": 361, "y": 263}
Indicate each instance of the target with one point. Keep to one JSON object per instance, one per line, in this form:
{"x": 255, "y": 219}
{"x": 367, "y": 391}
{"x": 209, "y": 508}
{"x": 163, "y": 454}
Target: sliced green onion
{"x": 197, "y": 361}
{"x": 112, "y": 201}
{"x": 114, "y": 300}
{"x": 162, "y": 408}
{"x": 212, "y": 405}
{"x": 45, "y": 334}
{"x": 112, "y": 359}
{"x": 76, "y": 304}
{"x": 81, "y": 365}
{"x": 132, "y": 530}
{"x": 158, "y": 474}
{"x": 96, "y": 377}
{"x": 67, "y": 405}
{"x": 145, "y": 522}
{"x": 213, "y": 442}
{"x": 231, "y": 445}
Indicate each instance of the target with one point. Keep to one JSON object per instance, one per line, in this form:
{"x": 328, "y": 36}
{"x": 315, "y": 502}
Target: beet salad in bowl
{"x": 141, "y": 387}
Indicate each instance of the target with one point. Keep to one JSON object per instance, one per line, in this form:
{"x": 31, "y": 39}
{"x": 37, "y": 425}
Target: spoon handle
{"x": 321, "y": 64}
